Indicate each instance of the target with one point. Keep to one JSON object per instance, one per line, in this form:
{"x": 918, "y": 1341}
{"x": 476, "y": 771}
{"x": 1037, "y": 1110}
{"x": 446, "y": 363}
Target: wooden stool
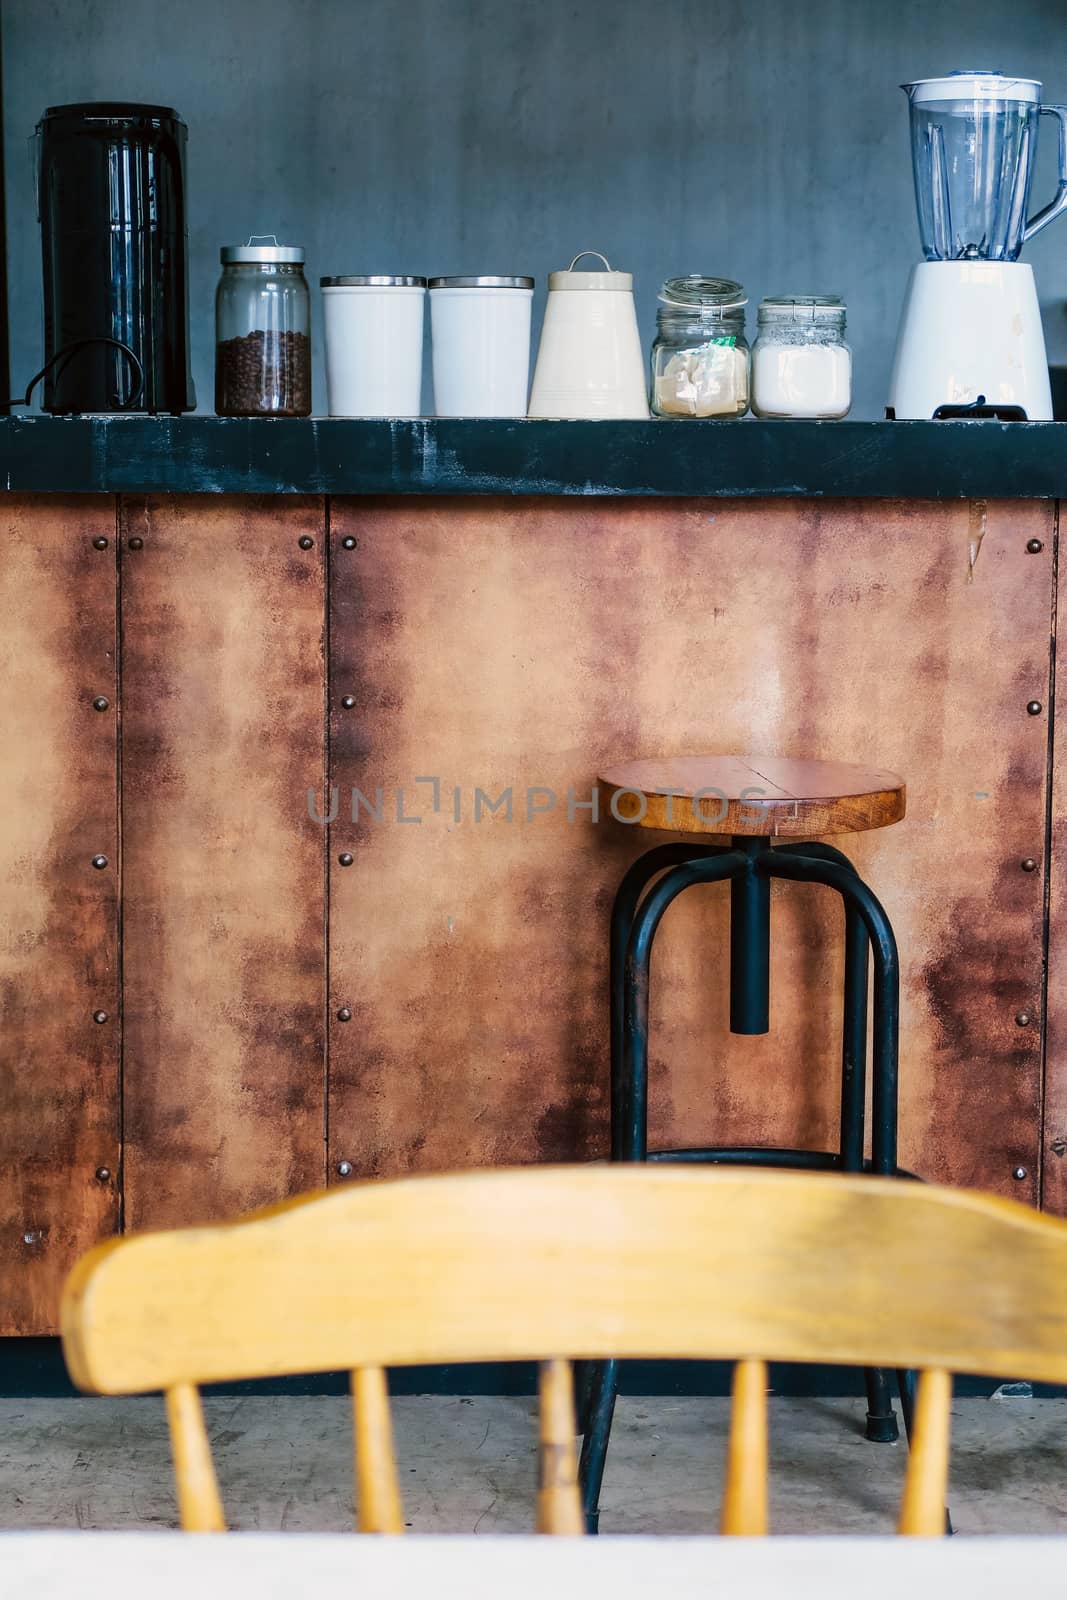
{"x": 772, "y": 810}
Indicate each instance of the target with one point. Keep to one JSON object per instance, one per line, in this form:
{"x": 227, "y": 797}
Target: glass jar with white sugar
{"x": 700, "y": 355}
{"x": 801, "y": 365}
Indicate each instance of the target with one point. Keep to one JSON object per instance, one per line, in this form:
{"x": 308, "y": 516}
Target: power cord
{"x": 64, "y": 354}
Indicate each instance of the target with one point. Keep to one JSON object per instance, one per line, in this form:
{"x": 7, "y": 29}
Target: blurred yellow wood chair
{"x": 579, "y": 1262}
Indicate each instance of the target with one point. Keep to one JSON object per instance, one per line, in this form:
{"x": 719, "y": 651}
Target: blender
{"x": 970, "y": 340}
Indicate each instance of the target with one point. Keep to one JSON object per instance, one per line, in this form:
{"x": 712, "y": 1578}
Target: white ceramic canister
{"x": 481, "y": 345}
{"x": 373, "y": 345}
{"x": 590, "y": 363}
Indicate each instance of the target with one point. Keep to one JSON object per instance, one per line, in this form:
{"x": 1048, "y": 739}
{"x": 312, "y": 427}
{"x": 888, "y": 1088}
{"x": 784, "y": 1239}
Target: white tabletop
{"x": 289, "y": 1566}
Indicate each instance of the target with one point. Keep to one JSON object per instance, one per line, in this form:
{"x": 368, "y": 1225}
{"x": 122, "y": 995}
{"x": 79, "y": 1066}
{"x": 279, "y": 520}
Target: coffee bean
{"x": 263, "y": 374}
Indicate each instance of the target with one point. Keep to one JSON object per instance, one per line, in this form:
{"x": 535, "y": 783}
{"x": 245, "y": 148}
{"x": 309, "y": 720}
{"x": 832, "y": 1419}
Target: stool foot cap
{"x": 882, "y": 1430}
{"x": 592, "y": 1521}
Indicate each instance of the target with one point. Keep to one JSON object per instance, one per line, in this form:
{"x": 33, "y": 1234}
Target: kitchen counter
{"x": 204, "y": 620}
{"x": 216, "y": 455}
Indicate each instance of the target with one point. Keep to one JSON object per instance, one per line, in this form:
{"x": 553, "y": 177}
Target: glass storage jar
{"x": 801, "y": 365}
{"x": 262, "y": 331}
{"x": 700, "y": 363}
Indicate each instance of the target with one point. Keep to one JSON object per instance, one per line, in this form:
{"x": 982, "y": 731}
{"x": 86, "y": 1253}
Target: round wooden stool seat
{"x": 762, "y": 796}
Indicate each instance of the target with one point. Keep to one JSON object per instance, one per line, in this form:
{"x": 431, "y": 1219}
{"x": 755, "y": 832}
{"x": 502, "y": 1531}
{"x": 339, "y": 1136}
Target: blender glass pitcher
{"x": 973, "y": 142}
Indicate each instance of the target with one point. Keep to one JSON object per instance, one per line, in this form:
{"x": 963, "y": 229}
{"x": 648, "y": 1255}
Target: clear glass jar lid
{"x": 801, "y": 308}
{"x": 261, "y": 247}
{"x": 705, "y": 296}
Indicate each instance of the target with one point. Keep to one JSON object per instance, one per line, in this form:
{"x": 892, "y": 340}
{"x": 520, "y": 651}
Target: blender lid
{"x": 974, "y": 83}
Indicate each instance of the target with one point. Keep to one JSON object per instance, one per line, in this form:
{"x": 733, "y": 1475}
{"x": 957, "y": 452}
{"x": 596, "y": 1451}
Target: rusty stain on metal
{"x": 222, "y": 730}
{"x": 59, "y": 1088}
{"x": 976, "y": 533}
{"x": 496, "y": 643}
{"x": 492, "y": 644}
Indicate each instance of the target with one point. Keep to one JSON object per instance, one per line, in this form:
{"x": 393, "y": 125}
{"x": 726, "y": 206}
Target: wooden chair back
{"x": 579, "y": 1262}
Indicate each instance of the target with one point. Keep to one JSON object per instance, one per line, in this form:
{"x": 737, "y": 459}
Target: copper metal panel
{"x": 1054, "y": 1122}
{"x": 530, "y": 645}
{"x": 59, "y": 1070}
{"x": 223, "y": 930}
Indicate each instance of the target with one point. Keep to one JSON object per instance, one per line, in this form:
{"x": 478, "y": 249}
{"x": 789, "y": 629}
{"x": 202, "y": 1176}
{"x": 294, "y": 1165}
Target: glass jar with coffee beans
{"x": 263, "y": 331}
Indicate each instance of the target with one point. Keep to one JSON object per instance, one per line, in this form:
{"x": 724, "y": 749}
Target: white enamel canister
{"x": 373, "y": 345}
{"x": 590, "y": 362}
{"x": 481, "y": 345}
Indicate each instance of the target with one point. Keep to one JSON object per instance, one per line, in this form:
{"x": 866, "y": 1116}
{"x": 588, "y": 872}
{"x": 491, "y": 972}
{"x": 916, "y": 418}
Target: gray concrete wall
{"x": 759, "y": 139}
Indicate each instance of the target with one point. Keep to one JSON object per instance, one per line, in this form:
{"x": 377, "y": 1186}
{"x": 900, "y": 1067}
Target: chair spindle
{"x": 199, "y": 1501}
{"x": 559, "y": 1505}
{"x": 922, "y": 1505}
{"x": 378, "y": 1504}
{"x": 744, "y": 1499}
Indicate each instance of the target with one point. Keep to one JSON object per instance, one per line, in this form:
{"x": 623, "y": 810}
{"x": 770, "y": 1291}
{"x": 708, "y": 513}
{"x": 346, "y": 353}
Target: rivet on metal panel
{"x": 344, "y": 1015}
{"x": 99, "y": 1016}
{"x": 136, "y": 543}
{"x": 1033, "y": 708}
{"x": 345, "y": 859}
{"x": 348, "y": 701}
{"x": 1023, "y": 1019}
{"x": 101, "y": 702}
{"x": 1019, "y": 1174}
{"x": 100, "y": 862}
{"x": 306, "y": 542}
{"x": 103, "y": 1174}
{"x": 348, "y": 542}
{"x": 344, "y": 1169}
{"x": 1029, "y": 864}
{"x": 100, "y": 543}
{"x": 1034, "y": 547}
{"x": 1058, "y": 1147}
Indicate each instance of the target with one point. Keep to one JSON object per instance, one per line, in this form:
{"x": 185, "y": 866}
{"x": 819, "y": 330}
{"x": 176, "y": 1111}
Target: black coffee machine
{"x": 111, "y": 201}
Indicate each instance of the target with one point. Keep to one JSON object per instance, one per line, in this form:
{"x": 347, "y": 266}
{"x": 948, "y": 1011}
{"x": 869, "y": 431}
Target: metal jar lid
{"x": 376, "y": 281}
{"x": 481, "y": 283}
{"x": 261, "y": 247}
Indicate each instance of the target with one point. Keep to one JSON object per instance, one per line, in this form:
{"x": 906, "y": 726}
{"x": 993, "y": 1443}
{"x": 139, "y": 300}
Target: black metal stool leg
{"x": 881, "y": 1424}
{"x": 623, "y": 912}
{"x": 589, "y": 1378}
{"x": 750, "y": 945}
{"x": 629, "y": 1141}
{"x": 854, "y": 1030}
{"x": 604, "y": 1386}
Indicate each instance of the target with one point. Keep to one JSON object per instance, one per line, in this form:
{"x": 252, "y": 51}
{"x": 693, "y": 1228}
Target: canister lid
{"x": 377, "y": 281}
{"x": 481, "y": 283}
{"x": 261, "y": 247}
{"x": 712, "y": 296}
{"x": 801, "y": 308}
{"x": 608, "y": 279}
{"x": 974, "y": 83}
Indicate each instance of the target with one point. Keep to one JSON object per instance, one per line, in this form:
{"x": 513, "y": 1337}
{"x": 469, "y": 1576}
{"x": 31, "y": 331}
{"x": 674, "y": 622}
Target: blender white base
{"x": 970, "y": 328}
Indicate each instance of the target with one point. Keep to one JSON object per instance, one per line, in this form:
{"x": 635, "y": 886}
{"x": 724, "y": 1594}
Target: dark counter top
{"x": 215, "y": 455}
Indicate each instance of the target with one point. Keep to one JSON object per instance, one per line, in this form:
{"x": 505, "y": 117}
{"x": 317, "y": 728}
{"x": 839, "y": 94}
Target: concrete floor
{"x": 467, "y": 1465}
